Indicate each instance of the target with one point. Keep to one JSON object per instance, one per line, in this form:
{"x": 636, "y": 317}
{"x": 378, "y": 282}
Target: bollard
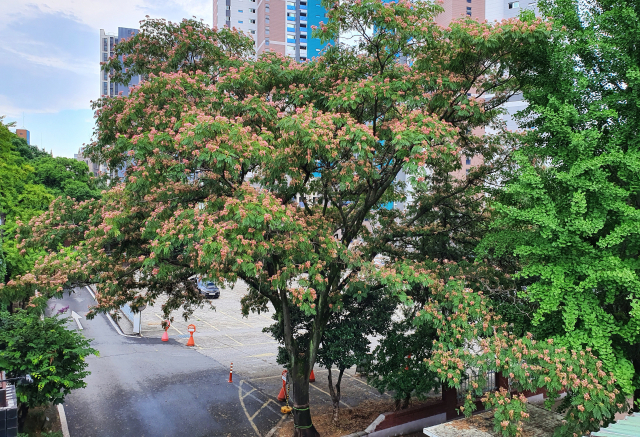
{"x": 231, "y": 373}
{"x": 191, "y": 328}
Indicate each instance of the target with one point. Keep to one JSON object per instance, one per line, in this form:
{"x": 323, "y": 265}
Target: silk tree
{"x": 217, "y": 146}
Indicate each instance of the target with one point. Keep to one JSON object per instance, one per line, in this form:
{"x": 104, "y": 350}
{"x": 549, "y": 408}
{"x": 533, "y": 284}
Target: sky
{"x": 49, "y": 61}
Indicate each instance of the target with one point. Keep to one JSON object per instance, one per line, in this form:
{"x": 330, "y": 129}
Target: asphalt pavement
{"x": 142, "y": 387}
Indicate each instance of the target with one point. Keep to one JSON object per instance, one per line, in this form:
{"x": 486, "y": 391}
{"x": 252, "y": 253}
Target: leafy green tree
{"x": 571, "y": 208}
{"x": 275, "y": 172}
{"x": 64, "y": 177}
{"x": 472, "y": 338}
{"x": 29, "y": 181}
{"x": 45, "y": 349}
{"x": 397, "y": 363}
{"x": 27, "y": 151}
{"x": 13, "y": 171}
{"x": 3, "y": 264}
{"x": 346, "y": 339}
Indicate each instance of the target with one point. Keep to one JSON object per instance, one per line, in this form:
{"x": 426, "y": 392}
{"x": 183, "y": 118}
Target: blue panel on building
{"x": 315, "y": 14}
{"x": 125, "y": 33}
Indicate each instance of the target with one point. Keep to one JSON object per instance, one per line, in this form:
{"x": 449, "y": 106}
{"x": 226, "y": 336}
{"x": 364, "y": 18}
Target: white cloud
{"x": 113, "y": 14}
{"x": 49, "y": 58}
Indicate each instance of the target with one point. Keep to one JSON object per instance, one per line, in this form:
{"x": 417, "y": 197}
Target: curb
{"x": 63, "y": 421}
{"x": 113, "y": 323}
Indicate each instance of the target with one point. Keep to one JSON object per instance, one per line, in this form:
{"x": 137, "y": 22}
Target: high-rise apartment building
{"x": 107, "y": 46}
{"x": 281, "y": 26}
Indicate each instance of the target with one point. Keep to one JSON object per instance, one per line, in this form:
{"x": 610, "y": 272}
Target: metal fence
{"x": 489, "y": 383}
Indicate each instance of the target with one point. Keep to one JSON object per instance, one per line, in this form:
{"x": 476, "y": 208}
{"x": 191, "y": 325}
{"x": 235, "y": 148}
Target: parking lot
{"x": 226, "y": 336}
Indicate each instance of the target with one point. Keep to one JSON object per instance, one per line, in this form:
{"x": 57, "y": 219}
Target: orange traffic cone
{"x": 192, "y": 329}
{"x": 231, "y": 373}
{"x": 312, "y": 377}
{"x": 282, "y": 396}
{"x": 165, "y": 336}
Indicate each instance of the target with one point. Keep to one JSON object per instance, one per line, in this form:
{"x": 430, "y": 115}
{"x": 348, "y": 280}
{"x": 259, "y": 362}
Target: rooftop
{"x": 541, "y": 423}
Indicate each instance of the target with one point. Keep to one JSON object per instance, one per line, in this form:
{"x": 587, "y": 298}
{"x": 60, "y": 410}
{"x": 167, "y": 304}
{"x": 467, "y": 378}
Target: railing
{"x": 489, "y": 384}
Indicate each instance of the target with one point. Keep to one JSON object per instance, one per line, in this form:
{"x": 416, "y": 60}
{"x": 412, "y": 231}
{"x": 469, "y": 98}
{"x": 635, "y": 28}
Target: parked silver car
{"x": 208, "y": 288}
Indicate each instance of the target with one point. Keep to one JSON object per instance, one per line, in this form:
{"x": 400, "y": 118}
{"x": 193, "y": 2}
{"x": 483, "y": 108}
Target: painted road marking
{"x": 343, "y": 403}
{"x": 266, "y": 377}
{"x": 230, "y": 338}
{"x": 266, "y": 404}
{"x": 244, "y": 323}
{"x": 248, "y": 393}
{"x": 268, "y": 354}
{"x": 77, "y": 318}
{"x": 204, "y": 321}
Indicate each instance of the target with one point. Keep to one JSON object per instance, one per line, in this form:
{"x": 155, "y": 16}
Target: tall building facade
{"x": 107, "y": 49}
{"x": 95, "y": 168}
{"x": 23, "y": 133}
{"x": 281, "y": 26}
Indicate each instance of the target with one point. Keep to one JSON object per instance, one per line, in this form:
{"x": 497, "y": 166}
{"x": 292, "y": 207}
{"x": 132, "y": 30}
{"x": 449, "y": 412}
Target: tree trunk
{"x": 335, "y": 394}
{"x": 23, "y": 410}
{"x": 303, "y": 427}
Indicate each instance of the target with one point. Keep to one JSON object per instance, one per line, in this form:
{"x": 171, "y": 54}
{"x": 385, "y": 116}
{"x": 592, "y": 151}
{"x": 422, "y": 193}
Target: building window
{"x": 106, "y": 77}
{"x": 266, "y": 20}
{"x": 266, "y": 9}
{"x": 468, "y": 11}
{"x": 468, "y": 1}
{"x": 253, "y": 11}
{"x": 240, "y": 11}
{"x": 105, "y": 57}
{"x": 240, "y": 22}
{"x": 104, "y": 45}
{"x": 266, "y": 31}
{"x": 467, "y": 171}
{"x": 303, "y": 47}
{"x": 468, "y": 160}
{"x": 104, "y": 88}
{"x": 228, "y": 8}
{"x": 266, "y": 42}
{"x": 514, "y": 5}
{"x": 253, "y": 32}
{"x": 252, "y": 21}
